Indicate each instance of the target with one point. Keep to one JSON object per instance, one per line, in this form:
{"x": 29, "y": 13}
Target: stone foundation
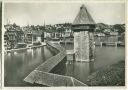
{"x": 84, "y": 46}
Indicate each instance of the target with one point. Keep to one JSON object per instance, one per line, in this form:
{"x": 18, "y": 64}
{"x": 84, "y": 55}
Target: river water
{"x": 19, "y": 64}
{"x": 104, "y": 56}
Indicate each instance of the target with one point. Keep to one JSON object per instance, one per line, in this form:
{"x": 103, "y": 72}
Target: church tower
{"x": 83, "y": 27}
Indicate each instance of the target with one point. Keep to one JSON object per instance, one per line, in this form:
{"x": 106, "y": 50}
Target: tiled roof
{"x": 83, "y": 17}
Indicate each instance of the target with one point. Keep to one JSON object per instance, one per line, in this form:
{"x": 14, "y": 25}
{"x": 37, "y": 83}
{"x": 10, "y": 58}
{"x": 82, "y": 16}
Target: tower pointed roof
{"x": 83, "y": 17}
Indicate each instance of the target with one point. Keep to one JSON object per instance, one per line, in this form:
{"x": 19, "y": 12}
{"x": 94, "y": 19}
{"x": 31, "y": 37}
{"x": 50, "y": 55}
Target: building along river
{"x": 18, "y": 65}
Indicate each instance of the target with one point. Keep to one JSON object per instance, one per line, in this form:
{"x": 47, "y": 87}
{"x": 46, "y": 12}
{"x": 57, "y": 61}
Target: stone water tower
{"x": 83, "y": 27}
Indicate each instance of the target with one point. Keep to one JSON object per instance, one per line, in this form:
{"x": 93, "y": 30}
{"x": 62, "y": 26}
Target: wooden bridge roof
{"x": 42, "y": 76}
{"x": 50, "y": 79}
{"x": 83, "y": 17}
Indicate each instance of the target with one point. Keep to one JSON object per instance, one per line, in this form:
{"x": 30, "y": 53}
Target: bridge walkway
{"x": 42, "y": 76}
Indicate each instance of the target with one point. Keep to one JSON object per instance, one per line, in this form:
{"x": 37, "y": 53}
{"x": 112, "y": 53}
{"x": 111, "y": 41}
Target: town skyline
{"x": 37, "y": 14}
{"x": 80, "y": 53}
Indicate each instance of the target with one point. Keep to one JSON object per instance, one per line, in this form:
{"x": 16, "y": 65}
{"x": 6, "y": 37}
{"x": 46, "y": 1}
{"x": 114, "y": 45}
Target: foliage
{"x": 120, "y": 28}
{"x": 104, "y": 28}
{"x": 61, "y": 28}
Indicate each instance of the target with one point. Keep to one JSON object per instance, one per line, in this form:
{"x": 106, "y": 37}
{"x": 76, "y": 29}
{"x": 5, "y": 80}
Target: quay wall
{"x": 22, "y": 49}
{"x": 108, "y": 41}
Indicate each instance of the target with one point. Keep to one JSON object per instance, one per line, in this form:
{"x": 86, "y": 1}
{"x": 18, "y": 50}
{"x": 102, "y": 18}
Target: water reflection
{"x": 91, "y": 67}
{"x": 103, "y": 56}
{"x": 20, "y": 63}
{"x": 79, "y": 70}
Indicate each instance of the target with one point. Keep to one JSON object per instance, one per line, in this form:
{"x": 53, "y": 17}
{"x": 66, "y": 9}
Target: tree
{"x": 119, "y": 27}
{"x": 100, "y": 27}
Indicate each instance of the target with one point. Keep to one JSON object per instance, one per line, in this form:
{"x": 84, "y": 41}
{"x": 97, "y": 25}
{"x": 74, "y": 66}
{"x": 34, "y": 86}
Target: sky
{"x": 54, "y": 13}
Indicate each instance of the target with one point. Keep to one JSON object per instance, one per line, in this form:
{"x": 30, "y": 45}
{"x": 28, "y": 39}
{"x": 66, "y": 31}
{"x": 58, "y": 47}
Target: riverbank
{"x": 112, "y": 75}
{"x": 18, "y": 49}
